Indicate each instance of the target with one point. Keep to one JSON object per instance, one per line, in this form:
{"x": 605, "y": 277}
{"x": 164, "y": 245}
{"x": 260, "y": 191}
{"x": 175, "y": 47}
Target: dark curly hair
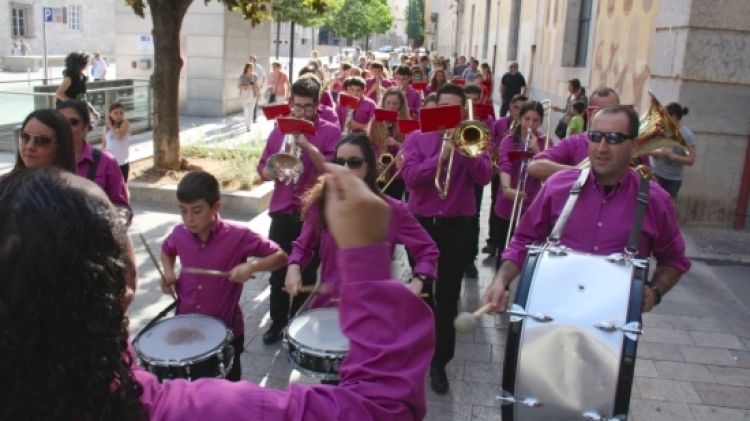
{"x": 75, "y": 63}
{"x": 63, "y": 337}
{"x": 65, "y": 157}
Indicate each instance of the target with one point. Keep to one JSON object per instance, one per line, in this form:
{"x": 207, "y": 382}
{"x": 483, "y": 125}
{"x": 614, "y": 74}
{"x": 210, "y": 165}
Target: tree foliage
{"x": 304, "y": 13}
{"x": 359, "y": 18}
{"x": 415, "y": 21}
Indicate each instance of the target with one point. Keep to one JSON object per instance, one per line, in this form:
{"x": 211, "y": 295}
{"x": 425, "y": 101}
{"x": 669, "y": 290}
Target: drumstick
{"x": 466, "y": 322}
{"x": 304, "y": 289}
{"x": 153, "y": 260}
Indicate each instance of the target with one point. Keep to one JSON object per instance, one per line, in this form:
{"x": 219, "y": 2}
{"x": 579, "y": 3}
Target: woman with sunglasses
{"x": 45, "y": 140}
{"x": 99, "y": 167}
{"x": 393, "y": 100}
{"x": 357, "y": 154}
{"x": 530, "y": 118}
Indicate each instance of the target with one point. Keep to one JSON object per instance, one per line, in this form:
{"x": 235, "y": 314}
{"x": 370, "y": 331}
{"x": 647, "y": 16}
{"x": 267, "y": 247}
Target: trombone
{"x": 547, "y": 105}
{"x": 471, "y": 138}
{"x": 523, "y": 175}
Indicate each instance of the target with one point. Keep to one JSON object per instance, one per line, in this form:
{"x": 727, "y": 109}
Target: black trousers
{"x": 504, "y": 108}
{"x": 238, "y": 343}
{"x": 452, "y": 236}
{"x": 396, "y": 189}
{"x": 474, "y": 247}
{"x": 285, "y": 228}
{"x": 493, "y": 220}
{"x": 501, "y": 233}
{"x": 125, "y": 169}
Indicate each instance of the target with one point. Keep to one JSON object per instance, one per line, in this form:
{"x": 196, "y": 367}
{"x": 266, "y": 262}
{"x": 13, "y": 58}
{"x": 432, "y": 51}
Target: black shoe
{"x": 274, "y": 333}
{"x": 438, "y": 380}
{"x": 489, "y": 249}
{"x": 471, "y": 271}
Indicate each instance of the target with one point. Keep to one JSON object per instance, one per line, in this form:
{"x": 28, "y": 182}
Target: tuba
{"x": 286, "y": 164}
{"x": 470, "y": 138}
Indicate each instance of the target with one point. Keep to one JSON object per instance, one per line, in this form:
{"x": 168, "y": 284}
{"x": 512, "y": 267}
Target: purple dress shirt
{"x": 328, "y": 114}
{"x": 364, "y": 112}
{"x": 413, "y": 102}
{"x": 404, "y": 229}
{"x": 600, "y": 222}
{"x": 108, "y": 175}
{"x": 286, "y": 198}
{"x": 421, "y": 152}
{"x": 227, "y": 246}
{"x": 503, "y": 205}
{"x": 384, "y": 83}
{"x": 391, "y": 339}
{"x": 326, "y": 98}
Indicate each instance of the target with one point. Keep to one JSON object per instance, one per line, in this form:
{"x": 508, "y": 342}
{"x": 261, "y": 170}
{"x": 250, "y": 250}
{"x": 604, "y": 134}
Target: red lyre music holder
{"x": 406, "y": 126}
{"x": 383, "y": 115}
{"x": 420, "y": 86}
{"x": 289, "y": 125}
{"x": 348, "y": 101}
{"x": 274, "y": 111}
{"x": 516, "y": 155}
{"x": 458, "y": 81}
{"x": 440, "y": 118}
{"x": 482, "y": 111}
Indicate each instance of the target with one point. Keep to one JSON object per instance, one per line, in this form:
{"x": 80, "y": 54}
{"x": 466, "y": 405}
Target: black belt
{"x": 443, "y": 220}
{"x": 295, "y": 216}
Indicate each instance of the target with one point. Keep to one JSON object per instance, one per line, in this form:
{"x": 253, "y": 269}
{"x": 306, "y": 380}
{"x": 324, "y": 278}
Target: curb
{"x": 246, "y": 203}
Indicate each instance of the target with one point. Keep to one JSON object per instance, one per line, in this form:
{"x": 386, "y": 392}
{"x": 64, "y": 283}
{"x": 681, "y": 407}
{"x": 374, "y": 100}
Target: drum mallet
{"x": 466, "y": 322}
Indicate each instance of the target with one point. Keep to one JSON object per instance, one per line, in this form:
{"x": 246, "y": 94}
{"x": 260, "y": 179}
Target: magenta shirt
{"x": 500, "y": 130}
{"x": 600, "y": 223}
{"x": 391, "y": 340}
{"x": 108, "y": 175}
{"x": 384, "y": 83}
{"x": 286, "y": 198}
{"x": 326, "y": 98}
{"x": 328, "y": 114}
{"x": 364, "y": 112}
{"x": 413, "y": 102}
{"x": 421, "y": 152}
{"x": 504, "y": 206}
{"x": 403, "y": 229}
{"x": 228, "y": 245}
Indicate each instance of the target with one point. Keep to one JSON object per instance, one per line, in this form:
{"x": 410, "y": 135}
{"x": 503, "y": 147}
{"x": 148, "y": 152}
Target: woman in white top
{"x": 248, "y": 84}
{"x": 117, "y": 137}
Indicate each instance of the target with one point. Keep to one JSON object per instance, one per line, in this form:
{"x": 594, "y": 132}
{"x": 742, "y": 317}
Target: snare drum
{"x": 572, "y": 337}
{"x": 315, "y": 344}
{"x": 188, "y": 346}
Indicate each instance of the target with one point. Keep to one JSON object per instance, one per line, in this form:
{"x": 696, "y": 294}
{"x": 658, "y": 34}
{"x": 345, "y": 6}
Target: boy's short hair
{"x": 451, "y": 89}
{"x": 518, "y": 97}
{"x": 376, "y": 65}
{"x": 472, "y": 89}
{"x": 306, "y": 87}
{"x": 402, "y": 70}
{"x": 197, "y": 185}
{"x": 354, "y": 81}
{"x": 579, "y": 106}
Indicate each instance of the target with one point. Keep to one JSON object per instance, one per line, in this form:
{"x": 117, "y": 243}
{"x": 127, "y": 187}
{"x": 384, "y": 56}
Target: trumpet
{"x": 471, "y": 138}
{"x": 286, "y": 164}
{"x": 523, "y": 175}
{"x": 349, "y": 115}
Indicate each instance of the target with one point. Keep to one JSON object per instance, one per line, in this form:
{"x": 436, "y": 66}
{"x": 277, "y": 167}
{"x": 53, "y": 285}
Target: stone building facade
{"x": 695, "y": 52}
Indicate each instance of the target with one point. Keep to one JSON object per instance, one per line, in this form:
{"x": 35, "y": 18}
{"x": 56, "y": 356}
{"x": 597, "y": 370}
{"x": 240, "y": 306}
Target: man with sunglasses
{"x": 285, "y": 205}
{"x": 600, "y": 222}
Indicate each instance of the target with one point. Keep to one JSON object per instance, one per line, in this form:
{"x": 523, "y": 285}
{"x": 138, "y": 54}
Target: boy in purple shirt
{"x": 205, "y": 241}
{"x": 378, "y": 83}
{"x": 364, "y": 112}
{"x": 402, "y": 79}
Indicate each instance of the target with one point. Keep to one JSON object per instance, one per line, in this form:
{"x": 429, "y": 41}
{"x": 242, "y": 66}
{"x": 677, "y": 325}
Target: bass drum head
{"x": 318, "y": 329}
{"x": 183, "y": 338}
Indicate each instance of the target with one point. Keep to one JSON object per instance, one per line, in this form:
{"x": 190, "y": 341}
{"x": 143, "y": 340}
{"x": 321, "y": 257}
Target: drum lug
{"x": 518, "y": 313}
{"x": 627, "y": 258}
{"x": 631, "y": 330}
{"x": 594, "y": 416}
{"x": 557, "y": 250}
{"x": 507, "y": 398}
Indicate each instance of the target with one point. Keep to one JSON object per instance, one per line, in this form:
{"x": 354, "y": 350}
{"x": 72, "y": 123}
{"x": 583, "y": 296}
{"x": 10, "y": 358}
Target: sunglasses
{"x": 353, "y": 163}
{"x": 38, "y": 140}
{"x": 612, "y": 138}
{"x": 74, "y": 121}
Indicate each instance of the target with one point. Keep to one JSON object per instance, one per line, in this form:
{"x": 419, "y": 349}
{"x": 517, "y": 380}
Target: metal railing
{"x": 135, "y": 95}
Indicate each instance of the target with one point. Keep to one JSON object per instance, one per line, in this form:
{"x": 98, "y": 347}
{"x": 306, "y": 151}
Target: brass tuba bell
{"x": 657, "y": 130}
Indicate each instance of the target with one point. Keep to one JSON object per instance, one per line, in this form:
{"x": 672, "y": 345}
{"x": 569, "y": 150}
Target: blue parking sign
{"x": 48, "y": 14}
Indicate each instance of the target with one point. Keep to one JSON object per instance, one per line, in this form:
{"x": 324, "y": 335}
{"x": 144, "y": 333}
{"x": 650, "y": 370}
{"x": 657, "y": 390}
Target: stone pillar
{"x": 700, "y": 58}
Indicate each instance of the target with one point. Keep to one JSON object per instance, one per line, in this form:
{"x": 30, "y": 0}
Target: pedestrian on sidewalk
{"x": 116, "y": 139}
{"x": 249, "y": 92}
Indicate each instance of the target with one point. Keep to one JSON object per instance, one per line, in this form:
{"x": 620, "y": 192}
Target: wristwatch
{"x": 652, "y": 286}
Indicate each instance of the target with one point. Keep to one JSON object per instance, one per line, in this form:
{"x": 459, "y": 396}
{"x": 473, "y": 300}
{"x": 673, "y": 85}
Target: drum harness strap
{"x": 153, "y": 321}
{"x": 631, "y": 249}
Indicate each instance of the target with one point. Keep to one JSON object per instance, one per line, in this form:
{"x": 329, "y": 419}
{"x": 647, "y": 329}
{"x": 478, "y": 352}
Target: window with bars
{"x": 584, "y": 26}
{"x": 74, "y": 17}
{"x": 20, "y": 17}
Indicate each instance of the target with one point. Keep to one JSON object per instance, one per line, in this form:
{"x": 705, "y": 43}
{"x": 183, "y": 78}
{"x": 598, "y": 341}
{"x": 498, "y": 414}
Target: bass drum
{"x": 572, "y": 337}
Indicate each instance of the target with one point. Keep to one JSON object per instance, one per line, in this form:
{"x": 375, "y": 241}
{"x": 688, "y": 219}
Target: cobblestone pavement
{"x": 693, "y": 361}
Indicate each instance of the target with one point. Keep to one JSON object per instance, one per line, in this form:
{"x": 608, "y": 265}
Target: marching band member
{"x": 500, "y": 130}
{"x": 377, "y": 83}
{"x": 357, "y": 154}
{"x": 205, "y": 241}
{"x": 596, "y": 223}
{"x": 326, "y": 110}
{"x": 72, "y": 295}
{"x": 530, "y": 117}
{"x": 364, "y": 112}
{"x": 402, "y": 78}
{"x": 448, "y": 221}
{"x": 393, "y": 100}
{"x": 437, "y": 80}
{"x": 285, "y": 205}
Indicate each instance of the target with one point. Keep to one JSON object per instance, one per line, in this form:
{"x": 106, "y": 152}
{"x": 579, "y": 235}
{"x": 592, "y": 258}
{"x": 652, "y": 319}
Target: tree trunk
{"x": 291, "y": 52}
{"x": 278, "y": 38}
{"x": 167, "y": 16}
{"x": 367, "y": 43}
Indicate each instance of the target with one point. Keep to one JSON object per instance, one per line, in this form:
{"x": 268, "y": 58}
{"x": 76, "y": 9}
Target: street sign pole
{"x": 47, "y": 18}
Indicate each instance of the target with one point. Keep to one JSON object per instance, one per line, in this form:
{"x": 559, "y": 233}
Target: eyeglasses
{"x": 38, "y": 140}
{"x": 612, "y": 138}
{"x": 74, "y": 121}
{"x": 353, "y": 163}
{"x": 304, "y": 107}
